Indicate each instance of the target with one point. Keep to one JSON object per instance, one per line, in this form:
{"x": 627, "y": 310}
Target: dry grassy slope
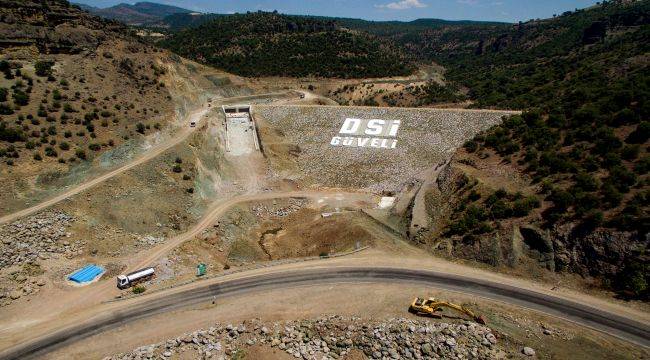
{"x": 101, "y": 84}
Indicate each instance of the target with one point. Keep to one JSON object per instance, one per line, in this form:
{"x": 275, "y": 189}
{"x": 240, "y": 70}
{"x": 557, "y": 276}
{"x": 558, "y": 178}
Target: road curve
{"x": 613, "y": 324}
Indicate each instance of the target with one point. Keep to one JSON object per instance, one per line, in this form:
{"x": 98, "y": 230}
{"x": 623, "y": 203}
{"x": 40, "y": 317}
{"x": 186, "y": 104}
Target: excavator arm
{"x": 431, "y": 306}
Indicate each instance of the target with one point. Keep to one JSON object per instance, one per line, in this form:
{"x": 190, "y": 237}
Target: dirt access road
{"x": 73, "y": 301}
{"x": 150, "y": 154}
{"x": 121, "y": 314}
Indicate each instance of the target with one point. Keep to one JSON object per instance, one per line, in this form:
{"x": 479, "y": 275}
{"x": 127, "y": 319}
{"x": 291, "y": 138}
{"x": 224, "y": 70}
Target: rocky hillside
{"x": 267, "y": 44}
{"x": 566, "y": 183}
{"x": 73, "y": 86}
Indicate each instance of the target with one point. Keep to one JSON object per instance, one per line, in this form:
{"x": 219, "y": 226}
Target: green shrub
{"x": 139, "y": 127}
{"x": 483, "y": 228}
{"x": 6, "y": 109}
{"x": 38, "y": 157}
{"x": 585, "y": 181}
{"x": 50, "y": 152}
{"x": 471, "y": 146}
{"x": 138, "y": 289}
{"x": 611, "y": 196}
{"x": 79, "y": 153}
{"x": 622, "y": 178}
{"x": 11, "y": 134}
{"x": 642, "y": 166}
{"x": 630, "y": 152}
{"x": 585, "y": 203}
{"x": 43, "y": 68}
{"x": 94, "y": 147}
{"x": 640, "y": 134}
{"x": 177, "y": 168}
{"x": 522, "y": 207}
{"x": 561, "y": 199}
{"x": 68, "y": 108}
{"x": 634, "y": 278}
{"x": 20, "y": 97}
{"x": 624, "y": 117}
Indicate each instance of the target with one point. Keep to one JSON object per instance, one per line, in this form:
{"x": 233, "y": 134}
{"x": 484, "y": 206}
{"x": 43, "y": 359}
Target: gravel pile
{"x": 331, "y": 338}
{"x": 36, "y": 237}
{"x": 266, "y": 211}
{"x": 425, "y": 137}
{"x": 149, "y": 241}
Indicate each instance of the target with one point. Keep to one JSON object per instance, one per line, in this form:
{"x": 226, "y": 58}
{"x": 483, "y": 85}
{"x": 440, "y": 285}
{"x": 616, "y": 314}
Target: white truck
{"x": 128, "y": 280}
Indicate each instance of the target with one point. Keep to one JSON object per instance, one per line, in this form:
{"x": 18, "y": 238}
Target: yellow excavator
{"x": 431, "y": 307}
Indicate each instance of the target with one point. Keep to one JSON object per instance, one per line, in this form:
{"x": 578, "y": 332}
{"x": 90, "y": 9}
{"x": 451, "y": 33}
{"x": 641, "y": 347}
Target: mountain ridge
{"x": 140, "y": 13}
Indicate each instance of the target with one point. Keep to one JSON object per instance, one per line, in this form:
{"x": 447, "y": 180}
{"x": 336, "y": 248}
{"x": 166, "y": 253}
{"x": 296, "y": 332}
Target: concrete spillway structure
{"x": 241, "y": 130}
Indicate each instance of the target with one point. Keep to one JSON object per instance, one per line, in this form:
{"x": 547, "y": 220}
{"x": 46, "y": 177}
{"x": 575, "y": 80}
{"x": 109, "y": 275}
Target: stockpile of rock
{"x": 17, "y": 285}
{"x": 149, "y": 241}
{"x": 425, "y": 137}
{"x": 333, "y": 337}
{"x": 36, "y": 237}
{"x": 262, "y": 210}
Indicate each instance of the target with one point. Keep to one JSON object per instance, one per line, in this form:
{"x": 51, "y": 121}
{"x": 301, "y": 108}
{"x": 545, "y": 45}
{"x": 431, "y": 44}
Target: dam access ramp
{"x": 241, "y": 130}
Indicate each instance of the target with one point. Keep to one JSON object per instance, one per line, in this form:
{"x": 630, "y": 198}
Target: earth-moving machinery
{"x": 128, "y": 280}
{"x": 431, "y": 307}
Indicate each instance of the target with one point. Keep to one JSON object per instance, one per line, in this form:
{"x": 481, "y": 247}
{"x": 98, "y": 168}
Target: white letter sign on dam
{"x": 373, "y": 133}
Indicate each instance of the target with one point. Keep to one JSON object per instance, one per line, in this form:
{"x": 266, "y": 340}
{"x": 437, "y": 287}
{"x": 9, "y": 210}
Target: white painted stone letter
{"x": 350, "y": 126}
{"x": 375, "y": 127}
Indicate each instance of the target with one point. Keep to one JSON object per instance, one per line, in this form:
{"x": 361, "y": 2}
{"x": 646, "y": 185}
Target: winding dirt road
{"x": 150, "y": 154}
{"x": 144, "y": 157}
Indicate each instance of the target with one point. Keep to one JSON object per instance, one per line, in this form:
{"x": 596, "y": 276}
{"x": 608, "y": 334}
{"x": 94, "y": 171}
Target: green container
{"x": 201, "y": 269}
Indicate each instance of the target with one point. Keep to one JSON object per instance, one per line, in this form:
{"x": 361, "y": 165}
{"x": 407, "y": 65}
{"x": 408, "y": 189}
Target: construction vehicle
{"x": 431, "y": 307}
{"x": 128, "y": 280}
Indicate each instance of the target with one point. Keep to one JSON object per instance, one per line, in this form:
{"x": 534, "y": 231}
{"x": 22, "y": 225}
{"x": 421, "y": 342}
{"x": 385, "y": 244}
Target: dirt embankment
{"x": 297, "y": 141}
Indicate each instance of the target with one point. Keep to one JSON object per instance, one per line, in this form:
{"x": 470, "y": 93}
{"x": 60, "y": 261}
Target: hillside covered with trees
{"x": 583, "y": 82}
{"x": 267, "y": 44}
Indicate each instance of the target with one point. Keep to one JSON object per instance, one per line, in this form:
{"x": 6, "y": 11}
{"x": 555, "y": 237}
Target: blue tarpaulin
{"x": 86, "y": 273}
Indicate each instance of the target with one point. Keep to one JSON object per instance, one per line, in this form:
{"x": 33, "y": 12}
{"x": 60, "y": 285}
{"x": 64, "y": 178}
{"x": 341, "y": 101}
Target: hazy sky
{"x": 497, "y": 10}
